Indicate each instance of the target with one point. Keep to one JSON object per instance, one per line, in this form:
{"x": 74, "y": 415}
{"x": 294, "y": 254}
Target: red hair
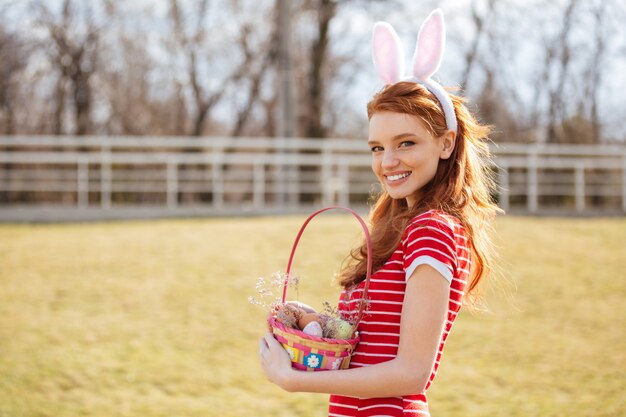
{"x": 461, "y": 187}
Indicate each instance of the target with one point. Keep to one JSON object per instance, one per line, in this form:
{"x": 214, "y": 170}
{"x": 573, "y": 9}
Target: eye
{"x": 406, "y": 144}
{"x": 376, "y": 148}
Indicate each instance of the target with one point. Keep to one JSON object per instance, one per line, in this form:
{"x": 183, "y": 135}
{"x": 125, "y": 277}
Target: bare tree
{"x": 13, "y": 60}
{"x": 325, "y": 11}
{"x": 192, "y": 44}
{"x": 562, "y": 53}
{"x": 258, "y": 60}
{"x": 319, "y": 66}
{"x": 480, "y": 19}
{"x": 129, "y": 91}
{"x": 75, "y": 56}
{"x": 595, "y": 71}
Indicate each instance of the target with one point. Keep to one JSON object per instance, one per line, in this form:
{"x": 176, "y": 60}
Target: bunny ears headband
{"x": 389, "y": 59}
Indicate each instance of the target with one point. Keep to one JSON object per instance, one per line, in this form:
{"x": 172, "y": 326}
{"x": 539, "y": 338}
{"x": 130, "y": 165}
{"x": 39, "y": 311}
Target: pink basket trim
{"x": 348, "y": 342}
{"x": 304, "y": 348}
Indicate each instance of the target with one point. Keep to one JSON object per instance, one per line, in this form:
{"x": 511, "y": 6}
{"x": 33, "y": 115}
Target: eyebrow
{"x": 396, "y": 137}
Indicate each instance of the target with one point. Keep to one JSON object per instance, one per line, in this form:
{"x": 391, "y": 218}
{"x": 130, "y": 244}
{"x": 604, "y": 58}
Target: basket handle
{"x": 368, "y": 241}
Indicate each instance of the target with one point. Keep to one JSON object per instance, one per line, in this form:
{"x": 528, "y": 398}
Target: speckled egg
{"x": 306, "y": 319}
{"x": 313, "y": 329}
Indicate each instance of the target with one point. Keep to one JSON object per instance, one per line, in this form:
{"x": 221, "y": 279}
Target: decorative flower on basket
{"x": 315, "y": 341}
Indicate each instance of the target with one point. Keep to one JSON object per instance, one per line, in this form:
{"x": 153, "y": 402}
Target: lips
{"x": 397, "y": 176}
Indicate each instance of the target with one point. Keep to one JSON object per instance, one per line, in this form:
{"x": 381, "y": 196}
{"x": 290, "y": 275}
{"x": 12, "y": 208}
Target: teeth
{"x": 398, "y": 177}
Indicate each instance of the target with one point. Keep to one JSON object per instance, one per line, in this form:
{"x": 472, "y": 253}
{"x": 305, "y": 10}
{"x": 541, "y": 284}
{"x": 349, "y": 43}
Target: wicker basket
{"x": 312, "y": 353}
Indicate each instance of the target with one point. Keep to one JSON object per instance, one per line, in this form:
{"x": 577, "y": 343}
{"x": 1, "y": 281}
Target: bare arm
{"x": 423, "y": 315}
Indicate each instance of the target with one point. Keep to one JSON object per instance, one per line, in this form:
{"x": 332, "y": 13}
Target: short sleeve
{"x": 429, "y": 239}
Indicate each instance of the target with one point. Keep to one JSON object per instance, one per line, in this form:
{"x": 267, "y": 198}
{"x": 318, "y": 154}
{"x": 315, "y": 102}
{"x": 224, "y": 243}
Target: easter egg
{"x": 338, "y": 329}
{"x": 313, "y": 329}
{"x": 306, "y": 319}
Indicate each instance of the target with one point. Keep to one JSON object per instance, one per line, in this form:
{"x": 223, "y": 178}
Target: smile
{"x": 397, "y": 176}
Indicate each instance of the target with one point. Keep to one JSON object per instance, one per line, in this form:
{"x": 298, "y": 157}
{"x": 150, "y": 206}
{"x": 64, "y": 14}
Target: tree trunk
{"x": 82, "y": 104}
{"x": 198, "y": 125}
{"x": 59, "y": 108}
{"x": 556, "y": 94}
{"x": 596, "y": 70}
{"x": 314, "y": 126}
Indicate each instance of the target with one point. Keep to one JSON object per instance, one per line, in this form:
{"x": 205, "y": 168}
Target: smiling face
{"x": 405, "y": 155}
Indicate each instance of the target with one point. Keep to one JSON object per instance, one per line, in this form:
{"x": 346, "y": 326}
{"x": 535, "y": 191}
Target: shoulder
{"x": 433, "y": 221}
{"x": 430, "y": 238}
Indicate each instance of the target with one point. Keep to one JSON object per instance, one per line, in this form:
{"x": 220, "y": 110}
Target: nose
{"x": 389, "y": 159}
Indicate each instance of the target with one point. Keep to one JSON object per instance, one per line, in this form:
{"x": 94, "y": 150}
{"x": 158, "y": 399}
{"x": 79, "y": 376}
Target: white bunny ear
{"x": 431, "y": 41}
{"x": 387, "y": 53}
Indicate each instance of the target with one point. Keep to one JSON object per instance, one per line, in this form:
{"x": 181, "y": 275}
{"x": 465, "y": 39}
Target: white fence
{"x": 51, "y": 177}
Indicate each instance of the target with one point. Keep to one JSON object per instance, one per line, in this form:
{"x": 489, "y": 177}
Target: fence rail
{"x": 94, "y": 176}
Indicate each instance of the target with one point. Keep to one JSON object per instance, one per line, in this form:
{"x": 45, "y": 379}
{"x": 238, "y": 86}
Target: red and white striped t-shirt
{"x": 434, "y": 238}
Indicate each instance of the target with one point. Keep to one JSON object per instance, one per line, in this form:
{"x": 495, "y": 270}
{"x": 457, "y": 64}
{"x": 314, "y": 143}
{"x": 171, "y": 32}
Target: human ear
{"x": 448, "y": 140}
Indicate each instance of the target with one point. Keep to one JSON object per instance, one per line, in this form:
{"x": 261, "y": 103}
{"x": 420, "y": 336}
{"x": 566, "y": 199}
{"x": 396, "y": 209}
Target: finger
{"x": 269, "y": 339}
{"x": 263, "y": 346}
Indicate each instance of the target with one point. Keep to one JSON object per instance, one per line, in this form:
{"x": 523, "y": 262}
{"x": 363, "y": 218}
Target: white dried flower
{"x": 265, "y": 289}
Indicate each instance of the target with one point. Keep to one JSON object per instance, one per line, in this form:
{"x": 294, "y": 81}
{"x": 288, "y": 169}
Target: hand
{"x": 275, "y": 361}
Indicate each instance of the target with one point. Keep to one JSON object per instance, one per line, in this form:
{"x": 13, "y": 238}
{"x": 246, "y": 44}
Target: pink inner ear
{"x": 431, "y": 41}
{"x": 387, "y": 53}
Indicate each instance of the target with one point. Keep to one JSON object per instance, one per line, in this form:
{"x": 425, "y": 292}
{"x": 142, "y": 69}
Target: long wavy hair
{"x": 461, "y": 187}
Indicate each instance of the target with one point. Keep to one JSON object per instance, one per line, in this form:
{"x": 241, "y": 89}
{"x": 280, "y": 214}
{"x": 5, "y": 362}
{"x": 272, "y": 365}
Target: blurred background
{"x": 237, "y": 117}
{"x": 185, "y": 106}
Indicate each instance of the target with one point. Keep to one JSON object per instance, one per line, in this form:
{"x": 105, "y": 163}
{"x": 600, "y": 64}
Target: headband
{"x": 389, "y": 59}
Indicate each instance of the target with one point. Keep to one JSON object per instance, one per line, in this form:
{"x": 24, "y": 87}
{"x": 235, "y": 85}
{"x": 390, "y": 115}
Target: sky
{"x": 351, "y": 31}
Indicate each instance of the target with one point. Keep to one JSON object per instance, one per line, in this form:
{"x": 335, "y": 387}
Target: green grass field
{"x": 152, "y": 319}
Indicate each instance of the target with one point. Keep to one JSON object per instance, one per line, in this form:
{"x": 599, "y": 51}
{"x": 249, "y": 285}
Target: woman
{"x": 431, "y": 247}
